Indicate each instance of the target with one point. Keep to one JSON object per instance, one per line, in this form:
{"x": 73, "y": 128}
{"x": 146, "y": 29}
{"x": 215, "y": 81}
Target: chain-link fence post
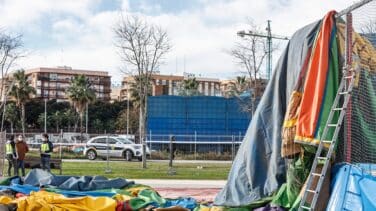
{"x": 195, "y": 145}
{"x": 232, "y": 147}
{"x": 150, "y": 140}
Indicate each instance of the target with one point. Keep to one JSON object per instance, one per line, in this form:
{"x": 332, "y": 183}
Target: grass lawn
{"x": 155, "y": 170}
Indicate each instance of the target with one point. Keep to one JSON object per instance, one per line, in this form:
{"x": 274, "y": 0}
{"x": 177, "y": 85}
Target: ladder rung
{"x": 344, "y": 93}
{"x": 322, "y": 158}
{"x": 311, "y": 191}
{"x": 348, "y": 76}
{"x": 333, "y": 125}
{"x": 339, "y": 109}
{"x": 326, "y": 142}
{"x": 317, "y": 174}
{"x": 306, "y": 208}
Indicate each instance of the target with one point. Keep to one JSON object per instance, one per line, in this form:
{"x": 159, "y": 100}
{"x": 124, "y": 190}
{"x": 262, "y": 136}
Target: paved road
{"x": 162, "y": 161}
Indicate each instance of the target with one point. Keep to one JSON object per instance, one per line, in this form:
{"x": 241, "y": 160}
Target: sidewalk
{"x": 175, "y": 183}
{"x": 201, "y": 190}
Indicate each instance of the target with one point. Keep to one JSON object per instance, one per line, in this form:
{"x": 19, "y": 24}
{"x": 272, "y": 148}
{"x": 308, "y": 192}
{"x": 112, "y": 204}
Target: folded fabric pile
{"x": 41, "y": 190}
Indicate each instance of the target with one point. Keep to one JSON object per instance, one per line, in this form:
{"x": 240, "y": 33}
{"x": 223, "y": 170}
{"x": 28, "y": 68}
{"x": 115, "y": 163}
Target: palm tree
{"x": 80, "y": 95}
{"x": 11, "y": 115}
{"x": 135, "y": 89}
{"x": 189, "y": 87}
{"x": 70, "y": 117}
{"x": 238, "y": 86}
{"x": 58, "y": 118}
{"x": 21, "y": 91}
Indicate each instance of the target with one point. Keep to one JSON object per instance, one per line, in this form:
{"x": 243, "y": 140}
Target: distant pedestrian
{"x": 11, "y": 153}
{"x": 46, "y": 149}
{"x": 22, "y": 149}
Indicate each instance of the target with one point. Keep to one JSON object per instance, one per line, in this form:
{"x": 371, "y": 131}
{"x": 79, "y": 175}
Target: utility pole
{"x": 269, "y": 37}
{"x": 45, "y": 115}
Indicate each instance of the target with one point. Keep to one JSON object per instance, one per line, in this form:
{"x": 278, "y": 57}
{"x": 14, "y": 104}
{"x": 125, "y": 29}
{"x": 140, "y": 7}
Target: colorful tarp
{"x": 258, "y": 169}
{"x": 321, "y": 85}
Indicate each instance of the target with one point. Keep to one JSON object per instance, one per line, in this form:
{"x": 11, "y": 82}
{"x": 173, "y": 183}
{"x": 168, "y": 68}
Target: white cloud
{"x": 200, "y": 35}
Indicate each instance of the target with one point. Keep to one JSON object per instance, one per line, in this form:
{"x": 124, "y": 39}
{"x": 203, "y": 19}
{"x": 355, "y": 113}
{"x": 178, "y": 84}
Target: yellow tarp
{"x": 47, "y": 201}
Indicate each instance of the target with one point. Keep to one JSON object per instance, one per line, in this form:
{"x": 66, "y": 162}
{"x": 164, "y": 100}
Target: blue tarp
{"x": 38, "y": 177}
{"x": 258, "y": 169}
{"x": 352, "y": 188}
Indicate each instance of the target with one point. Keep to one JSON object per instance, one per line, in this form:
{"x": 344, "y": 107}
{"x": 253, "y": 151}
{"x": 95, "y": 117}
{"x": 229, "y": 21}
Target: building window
{"x": 53, "y": 76}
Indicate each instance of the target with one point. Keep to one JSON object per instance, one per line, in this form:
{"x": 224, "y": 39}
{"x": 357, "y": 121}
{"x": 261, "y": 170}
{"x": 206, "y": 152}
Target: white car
{"x": 114, "y": 146}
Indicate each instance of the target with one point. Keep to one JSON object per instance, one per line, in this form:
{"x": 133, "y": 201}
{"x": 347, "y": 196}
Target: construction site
{"x": 310, "y": 144}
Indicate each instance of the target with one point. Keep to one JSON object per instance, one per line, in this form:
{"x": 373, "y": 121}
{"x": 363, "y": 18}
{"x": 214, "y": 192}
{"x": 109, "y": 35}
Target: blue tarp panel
{"x": 353, "y": 188}
{"x": 204, "y": 115}
{"x": 258, "y": 169}
{"x": 40, "y": 178}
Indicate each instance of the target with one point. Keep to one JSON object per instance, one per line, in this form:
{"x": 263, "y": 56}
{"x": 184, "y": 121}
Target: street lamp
{"x": 45, "y": 115}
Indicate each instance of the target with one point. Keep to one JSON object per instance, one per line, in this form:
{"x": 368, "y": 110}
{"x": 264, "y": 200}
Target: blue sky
{"x": 78, "y": 33}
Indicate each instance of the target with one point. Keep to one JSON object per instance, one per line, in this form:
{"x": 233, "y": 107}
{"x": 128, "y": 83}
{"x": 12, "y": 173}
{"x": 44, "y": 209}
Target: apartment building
{"x": 52, "y": 83}
{"x": 226, "y": 86}
{"x": 171, "y": 84}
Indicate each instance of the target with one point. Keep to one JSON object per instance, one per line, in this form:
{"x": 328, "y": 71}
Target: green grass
{"x": 155, "y": 170}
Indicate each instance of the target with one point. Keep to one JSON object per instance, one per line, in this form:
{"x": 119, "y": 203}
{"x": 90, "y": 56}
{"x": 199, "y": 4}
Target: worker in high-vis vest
{"x": 46, "y": 149}
{"x": 11, "y": 154}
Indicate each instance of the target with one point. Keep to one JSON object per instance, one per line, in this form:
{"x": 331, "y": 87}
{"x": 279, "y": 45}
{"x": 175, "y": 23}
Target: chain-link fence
{"x": 357, "y": 27}
{"x": 115, "y": 155}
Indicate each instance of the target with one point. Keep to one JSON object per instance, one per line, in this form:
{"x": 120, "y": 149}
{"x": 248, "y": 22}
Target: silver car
{"x": 114, "y": 146}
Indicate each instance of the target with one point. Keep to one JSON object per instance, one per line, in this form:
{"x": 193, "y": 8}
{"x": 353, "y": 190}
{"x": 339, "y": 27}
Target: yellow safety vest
{"x": 44, "y": 148}
{"x": 8, "y": 149}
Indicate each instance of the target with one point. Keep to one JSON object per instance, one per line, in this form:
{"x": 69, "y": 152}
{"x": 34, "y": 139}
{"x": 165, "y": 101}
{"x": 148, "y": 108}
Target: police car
{"x": 113, "y": 146}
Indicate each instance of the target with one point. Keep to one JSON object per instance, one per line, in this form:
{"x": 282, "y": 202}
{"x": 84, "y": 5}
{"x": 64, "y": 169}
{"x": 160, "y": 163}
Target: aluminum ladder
{"x": 322, "y": 154}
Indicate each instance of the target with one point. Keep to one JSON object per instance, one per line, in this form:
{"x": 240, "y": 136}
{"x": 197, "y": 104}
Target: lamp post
{"x": 127, "y": 111}
{"x": 87, "y": 116}
{"x": 45, "y": 115}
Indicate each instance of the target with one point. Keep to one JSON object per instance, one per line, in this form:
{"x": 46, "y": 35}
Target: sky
{"x": 79, "y": 33}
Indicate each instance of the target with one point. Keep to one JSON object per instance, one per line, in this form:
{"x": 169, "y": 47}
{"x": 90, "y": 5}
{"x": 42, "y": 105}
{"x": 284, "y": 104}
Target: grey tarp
{"x": 38, "y": 177}
{"x": 258, "y": 169}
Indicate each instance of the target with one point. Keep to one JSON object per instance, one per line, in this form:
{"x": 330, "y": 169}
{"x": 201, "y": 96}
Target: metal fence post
{"x": 195, "y": 145}
{"x": 61, "y": 141}
{"x": 150, "y": 142}
{"x": 232, "y": 148}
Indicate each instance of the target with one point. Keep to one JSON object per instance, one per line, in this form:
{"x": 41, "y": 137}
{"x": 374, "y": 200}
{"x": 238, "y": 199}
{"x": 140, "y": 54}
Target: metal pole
{"x": 232, "y": 148}
{"x": 195, "y": 145}
{"x": 108, "y": 170}
{"x": 45, "y": 115}
{"x": 269, "y": 44}
{"x": 87, "y": 116}
{"x": 128, "y": 113}
{"x": 150, "y": 142}
{"x": 61, "y": 141}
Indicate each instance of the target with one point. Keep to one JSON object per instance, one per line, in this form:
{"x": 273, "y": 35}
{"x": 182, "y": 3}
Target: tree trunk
{"x": 144, "y": 132}
{"x": 23, "y": 119}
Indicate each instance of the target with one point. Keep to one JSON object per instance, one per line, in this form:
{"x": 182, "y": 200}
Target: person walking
{"x": 46, "y": 149}
{"x": 22, "y": 149}
{"x": 11, "y": 154}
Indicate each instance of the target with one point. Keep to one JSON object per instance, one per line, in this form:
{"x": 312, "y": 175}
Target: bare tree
{"x": 10, "y": 51}
{"x": 142, "y": 47}
{"x": 250, "y": 53}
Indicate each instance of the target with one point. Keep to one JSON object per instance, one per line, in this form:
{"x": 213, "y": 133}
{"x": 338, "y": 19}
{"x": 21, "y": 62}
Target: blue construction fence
{"x": 205, "y": 116}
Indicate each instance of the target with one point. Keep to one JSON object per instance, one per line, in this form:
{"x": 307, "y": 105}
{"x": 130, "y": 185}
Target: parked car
{"x": 114, "y": 146}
